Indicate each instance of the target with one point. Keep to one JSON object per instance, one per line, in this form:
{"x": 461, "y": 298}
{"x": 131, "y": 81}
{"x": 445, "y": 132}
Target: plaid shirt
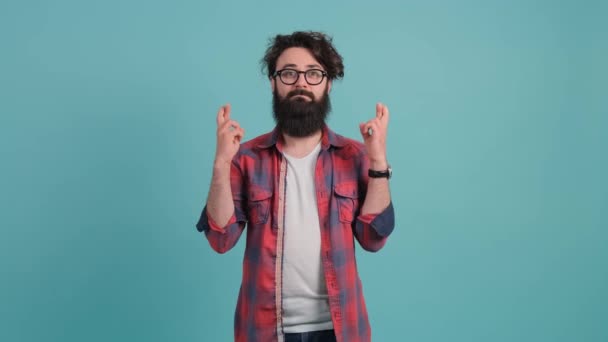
{"x": 257, "y": 179}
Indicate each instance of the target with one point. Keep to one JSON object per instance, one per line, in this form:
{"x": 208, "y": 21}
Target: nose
{"x": 301, "y": 82}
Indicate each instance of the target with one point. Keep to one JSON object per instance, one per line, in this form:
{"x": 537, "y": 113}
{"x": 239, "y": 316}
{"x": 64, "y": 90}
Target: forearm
{"x": 378, "y": 195}
{"x": 220, "y": 206}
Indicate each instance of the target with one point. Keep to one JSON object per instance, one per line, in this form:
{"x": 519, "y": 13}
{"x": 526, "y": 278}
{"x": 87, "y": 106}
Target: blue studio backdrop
{"x": 498, "y": 140}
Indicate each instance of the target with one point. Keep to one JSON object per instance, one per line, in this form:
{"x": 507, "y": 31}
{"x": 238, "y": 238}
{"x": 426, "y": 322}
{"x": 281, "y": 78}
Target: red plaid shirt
{"x": 257, "y": 179}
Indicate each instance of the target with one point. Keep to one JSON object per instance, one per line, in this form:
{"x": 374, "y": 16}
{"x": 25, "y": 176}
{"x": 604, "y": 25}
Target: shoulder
{"x": 257, "y": 149}
{"x": 347, "y": 147}
{"x": 260, "y": 142}
{"x": 349, "y": 158}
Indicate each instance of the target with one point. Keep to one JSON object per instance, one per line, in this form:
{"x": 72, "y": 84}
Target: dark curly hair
{"x": 318, "y": 43}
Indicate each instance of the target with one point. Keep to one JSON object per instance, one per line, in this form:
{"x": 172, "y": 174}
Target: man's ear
{"x": 272, "y": 84}
{"x": 328, "y": 87}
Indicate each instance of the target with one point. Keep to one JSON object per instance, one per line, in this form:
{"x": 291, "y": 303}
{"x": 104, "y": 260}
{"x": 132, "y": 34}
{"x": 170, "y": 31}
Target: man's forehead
{"x": 297, "y": 57}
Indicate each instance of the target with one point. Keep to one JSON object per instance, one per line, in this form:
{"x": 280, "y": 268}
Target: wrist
{"x": 378, "y": 165}
{"x": 219, "y": 164}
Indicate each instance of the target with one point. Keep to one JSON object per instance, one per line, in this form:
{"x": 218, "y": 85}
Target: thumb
{"x": 362, "y": 129}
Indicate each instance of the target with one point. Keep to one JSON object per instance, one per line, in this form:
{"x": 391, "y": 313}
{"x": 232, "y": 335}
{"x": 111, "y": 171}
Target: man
{"x": 304, "y": 193}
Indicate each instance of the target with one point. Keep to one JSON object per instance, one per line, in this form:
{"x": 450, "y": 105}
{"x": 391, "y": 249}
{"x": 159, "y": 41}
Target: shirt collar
{"x": 328, "y": 138}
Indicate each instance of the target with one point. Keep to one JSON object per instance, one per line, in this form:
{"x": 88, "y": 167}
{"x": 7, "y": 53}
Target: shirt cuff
{"x": 207, "y": 223}
{"x": 383, "y": 223}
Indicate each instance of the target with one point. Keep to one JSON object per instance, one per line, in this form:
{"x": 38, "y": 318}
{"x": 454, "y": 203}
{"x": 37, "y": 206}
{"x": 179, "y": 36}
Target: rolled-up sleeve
{"x": 222, "y": 239}
{"x": 372, "y": 230}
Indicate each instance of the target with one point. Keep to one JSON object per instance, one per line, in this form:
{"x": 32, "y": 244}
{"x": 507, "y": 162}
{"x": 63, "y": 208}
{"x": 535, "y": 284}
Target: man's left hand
{"x": 374, "y": 136}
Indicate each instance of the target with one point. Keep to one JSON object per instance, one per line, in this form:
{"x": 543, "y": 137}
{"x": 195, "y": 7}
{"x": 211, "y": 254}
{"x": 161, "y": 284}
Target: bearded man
{"x": 305, "y": 194}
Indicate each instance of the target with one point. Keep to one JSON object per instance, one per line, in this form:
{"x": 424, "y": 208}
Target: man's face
{"x": 302, "y": 60}
{"x": 300, "y": 109}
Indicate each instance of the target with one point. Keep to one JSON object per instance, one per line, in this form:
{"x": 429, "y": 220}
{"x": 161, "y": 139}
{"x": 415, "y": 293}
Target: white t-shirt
{"x": 305, "y": 300}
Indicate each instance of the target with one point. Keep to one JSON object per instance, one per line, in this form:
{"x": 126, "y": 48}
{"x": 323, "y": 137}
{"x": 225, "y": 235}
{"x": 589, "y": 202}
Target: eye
{"x": 314, "y": 74}
{"x": 288, "y": 73}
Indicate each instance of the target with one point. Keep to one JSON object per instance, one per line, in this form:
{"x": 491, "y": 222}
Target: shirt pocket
{"x": 348, "y": 201}
{"x": 259, "y": 206}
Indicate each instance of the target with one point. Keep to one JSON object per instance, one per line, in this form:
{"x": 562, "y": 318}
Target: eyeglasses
{"x": 291, "y": 76}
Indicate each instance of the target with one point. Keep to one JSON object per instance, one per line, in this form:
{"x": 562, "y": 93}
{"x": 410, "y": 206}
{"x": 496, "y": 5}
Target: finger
{"x": 219, "y": 118}
{"x": 374, "y": 125}
{"x": 232, "y": 131}
{"x": 362, "y": 128}
{"x": 385, "y": 114}
{"x": 228, "y": 125}
{"x": 238, "y": 135}
{"x": 227, "y": 109}
{"x": 223, "y": 114}
{"x": 379, "y": 110}
{"x": 231, "y": 124}
{"x": 367, "y": 129}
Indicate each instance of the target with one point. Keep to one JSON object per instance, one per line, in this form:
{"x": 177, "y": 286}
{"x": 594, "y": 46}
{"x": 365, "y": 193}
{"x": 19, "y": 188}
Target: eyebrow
{"x": 308, "y": 66}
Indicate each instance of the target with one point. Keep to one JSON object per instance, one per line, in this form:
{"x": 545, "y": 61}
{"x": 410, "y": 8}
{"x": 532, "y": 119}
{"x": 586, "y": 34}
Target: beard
{"x": 298, "y": 117}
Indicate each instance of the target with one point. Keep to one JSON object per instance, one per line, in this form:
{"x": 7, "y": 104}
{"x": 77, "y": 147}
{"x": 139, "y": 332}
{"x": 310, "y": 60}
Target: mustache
{"x": 300, "y": 92}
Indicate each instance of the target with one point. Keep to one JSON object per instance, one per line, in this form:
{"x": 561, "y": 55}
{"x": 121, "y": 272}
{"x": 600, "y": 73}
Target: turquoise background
{"x": 498, "y": 141}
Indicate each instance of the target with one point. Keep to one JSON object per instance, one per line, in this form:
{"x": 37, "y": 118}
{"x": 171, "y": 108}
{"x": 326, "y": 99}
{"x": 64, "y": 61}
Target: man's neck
{"x": 299, "y": 147}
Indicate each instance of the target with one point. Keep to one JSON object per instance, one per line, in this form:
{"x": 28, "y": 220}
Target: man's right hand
{"x": 229, "y": 135}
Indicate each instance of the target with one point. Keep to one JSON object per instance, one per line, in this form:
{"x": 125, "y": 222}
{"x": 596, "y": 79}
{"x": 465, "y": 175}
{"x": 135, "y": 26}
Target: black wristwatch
{"x": 381, "y": 174}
